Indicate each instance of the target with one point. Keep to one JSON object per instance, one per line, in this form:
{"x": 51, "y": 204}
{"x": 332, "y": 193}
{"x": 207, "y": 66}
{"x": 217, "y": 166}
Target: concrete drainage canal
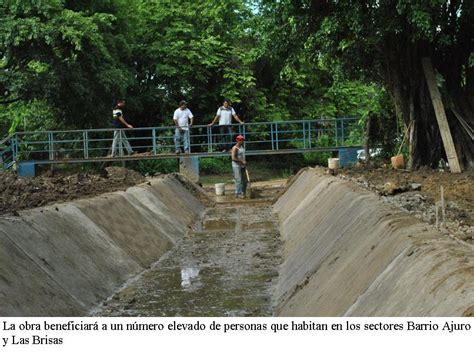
{"x": 225, "y": 265}
{"x": 324, "y": 247}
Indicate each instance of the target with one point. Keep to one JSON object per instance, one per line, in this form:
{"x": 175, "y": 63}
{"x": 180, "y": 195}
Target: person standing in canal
{"x": 238, "y": 167}
{"x": 183, "y": 119}
{"x": 120, "y": 139}
{"x": 225, "y": 114}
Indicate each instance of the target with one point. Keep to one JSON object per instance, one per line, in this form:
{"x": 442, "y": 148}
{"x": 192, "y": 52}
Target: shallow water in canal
{"x": 226, "y": 265}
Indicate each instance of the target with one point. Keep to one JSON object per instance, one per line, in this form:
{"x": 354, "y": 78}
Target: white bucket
{"x": 333, "y": 164}
{"x": 220, "y": 188}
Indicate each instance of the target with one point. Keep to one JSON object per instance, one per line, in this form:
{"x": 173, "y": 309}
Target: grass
{"x": 258, "y": 171}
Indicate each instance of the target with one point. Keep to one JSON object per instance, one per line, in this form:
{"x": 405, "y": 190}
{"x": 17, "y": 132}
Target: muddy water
{"x": 225, "y": 266}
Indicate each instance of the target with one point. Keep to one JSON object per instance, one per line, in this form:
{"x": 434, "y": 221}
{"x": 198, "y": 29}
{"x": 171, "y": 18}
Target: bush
{"x": 152, "y": 167}
{"x": 215, "y": 165}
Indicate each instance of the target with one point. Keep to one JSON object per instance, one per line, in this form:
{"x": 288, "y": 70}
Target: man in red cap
{"x": 238, "y": 166}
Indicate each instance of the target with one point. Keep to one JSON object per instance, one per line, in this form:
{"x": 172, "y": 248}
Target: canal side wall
{"x": 64, "y": 259}
{"x": 346, "y": 253}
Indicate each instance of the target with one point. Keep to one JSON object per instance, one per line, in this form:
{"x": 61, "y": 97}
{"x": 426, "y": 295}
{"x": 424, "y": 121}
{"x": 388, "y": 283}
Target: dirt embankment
{"x": 18, "y": 193}
{"x": 417, "y": 192}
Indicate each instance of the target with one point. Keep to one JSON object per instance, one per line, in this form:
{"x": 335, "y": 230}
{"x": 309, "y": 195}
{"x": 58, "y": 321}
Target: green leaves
{"x": 38, "y": 67}
{"x": 28, "y": 116}
{"x": 275, "y": 60}
{"x": 198, "y": 50}
{"x": 66, "y": 58}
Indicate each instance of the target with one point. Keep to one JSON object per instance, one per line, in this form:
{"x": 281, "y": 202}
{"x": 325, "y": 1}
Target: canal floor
{"x": 227, "y": 265}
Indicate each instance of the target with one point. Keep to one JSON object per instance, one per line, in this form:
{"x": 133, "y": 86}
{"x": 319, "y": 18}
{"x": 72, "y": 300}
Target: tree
{"x": 384, "y": 41}
{"x": 193, "y": 50}
{"x": 65, "y": 56}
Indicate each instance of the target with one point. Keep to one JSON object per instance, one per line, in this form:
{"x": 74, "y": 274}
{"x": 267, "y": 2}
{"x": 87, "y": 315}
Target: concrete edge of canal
{"x": 64, "y": 259}
{"x": 348, "y": 254}
{"x": 345, "y": 253}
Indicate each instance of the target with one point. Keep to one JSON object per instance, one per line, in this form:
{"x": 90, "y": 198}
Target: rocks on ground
{"x": 418, "y": 193}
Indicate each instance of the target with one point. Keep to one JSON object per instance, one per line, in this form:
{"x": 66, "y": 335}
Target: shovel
{"x": 397, "y": 161}
{"x": 248, "y": 191}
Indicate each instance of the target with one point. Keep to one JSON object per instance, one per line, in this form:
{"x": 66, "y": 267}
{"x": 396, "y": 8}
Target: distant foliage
{"x": 70, "y": 60}
{"x": 71, "y": 56}
{"x": 154, "y": 167}
{"x": 214, "y": 165}
{"x": 63, "y": 63}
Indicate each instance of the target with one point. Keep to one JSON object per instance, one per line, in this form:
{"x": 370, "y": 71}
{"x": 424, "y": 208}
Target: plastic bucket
{"x": 398, "y": 162}
{"x": 333, "y": 163}
{"x": 220, "y": 188}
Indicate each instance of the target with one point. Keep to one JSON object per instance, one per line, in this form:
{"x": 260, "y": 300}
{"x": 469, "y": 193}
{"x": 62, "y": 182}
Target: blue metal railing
{"x": 154, "y": 142}
{"x": 7, "y": 152}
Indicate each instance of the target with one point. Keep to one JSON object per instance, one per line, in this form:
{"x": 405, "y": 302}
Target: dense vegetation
{"x": 64, "y": 62}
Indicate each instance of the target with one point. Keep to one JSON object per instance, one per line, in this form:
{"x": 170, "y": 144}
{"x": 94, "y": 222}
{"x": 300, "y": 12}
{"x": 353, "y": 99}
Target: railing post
{"x": 304, "y": 135}
{"x": 189, "y": 139}
{"x": 271, "y": 136}
{"x": 51, "y": 145}
{"x": 335, "y": 121}
{"x": 276, "y": 135}
{"x": 209, "y": 138}
{"x": 13, "y": 144}
{"x": 342, "y": 131}
{"x": 85, "y": 138}
{"x": 120, "y": 142}
{"x": 17, "y": 147}
{"x": 153, "y": 136}
{"x": 309, "y": 134}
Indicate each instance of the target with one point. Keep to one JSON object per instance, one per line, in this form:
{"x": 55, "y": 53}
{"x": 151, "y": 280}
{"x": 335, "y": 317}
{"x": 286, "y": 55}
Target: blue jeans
{"x": 120, "y": 143}
{"x": 240, "y": 179}
{"x": 181, "y": 137}
{"x": 225, "y": 136}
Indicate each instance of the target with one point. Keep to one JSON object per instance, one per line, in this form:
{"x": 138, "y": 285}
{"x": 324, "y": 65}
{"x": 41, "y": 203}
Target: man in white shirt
{"x": 183, "y": 119}
{"x": 225, "y": 114}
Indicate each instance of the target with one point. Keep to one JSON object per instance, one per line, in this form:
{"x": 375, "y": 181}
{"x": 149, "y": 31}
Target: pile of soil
{"x": 18, "y": 193}
{"x": 417, "y": 193}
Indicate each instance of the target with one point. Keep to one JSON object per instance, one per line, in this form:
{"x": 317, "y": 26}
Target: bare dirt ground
{"x": 417, "y": 192}
{"x": 18, "y": 193}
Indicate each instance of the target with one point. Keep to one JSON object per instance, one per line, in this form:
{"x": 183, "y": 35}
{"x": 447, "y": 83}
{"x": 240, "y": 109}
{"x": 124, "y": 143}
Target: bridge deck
{"x": 96, "y": 145}
{"x": 148, "y": 156}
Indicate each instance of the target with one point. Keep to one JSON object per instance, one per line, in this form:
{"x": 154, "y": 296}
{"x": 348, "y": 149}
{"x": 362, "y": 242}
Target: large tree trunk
{"x": 462, "y": 140}
{"x": 412, "y": 102}
{"x": 408, "y": 88}
{"x": 460, "y": 98}
{"x": 427, "y": 147}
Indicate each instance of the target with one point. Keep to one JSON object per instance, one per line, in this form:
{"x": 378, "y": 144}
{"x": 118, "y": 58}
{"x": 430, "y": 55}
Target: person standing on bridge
{"x": 238, "y": 166}
{"x": 225, "y": 114}
{"x": 120, "y": 139}
{"x": 183, "y": 119}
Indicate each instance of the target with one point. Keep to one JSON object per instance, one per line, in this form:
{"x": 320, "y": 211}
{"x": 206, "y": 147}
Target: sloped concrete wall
{"x": 64, "y": 259}
{"x": 347, "y": 254}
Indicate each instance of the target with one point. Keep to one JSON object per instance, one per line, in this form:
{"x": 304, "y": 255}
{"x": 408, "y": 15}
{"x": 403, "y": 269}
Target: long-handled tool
{"x": 398, "y": 161}
{"x": 248, "y": 191}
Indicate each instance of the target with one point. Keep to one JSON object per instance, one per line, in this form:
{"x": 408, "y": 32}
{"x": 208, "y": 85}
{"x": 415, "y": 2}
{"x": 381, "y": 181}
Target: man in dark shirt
{"x": 120, "y": 139}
